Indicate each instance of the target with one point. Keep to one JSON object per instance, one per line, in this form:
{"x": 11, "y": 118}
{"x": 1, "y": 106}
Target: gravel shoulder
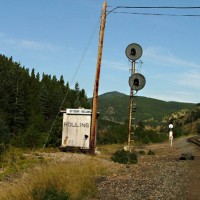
{"x": 159, "y": 176}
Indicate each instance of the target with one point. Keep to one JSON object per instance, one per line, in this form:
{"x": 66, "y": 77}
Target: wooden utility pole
{"x": 96, "y": 84}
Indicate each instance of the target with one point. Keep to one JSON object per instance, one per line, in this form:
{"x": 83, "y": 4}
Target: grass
{"x": 43, "y": 177}
{"x": 14, "y": 160}
{"x": 108, "y": 150}
{"x": 76, "y": 178}
{"x": 151, "y": 152}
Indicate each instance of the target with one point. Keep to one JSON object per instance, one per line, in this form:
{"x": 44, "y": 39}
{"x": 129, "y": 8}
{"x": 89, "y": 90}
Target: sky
{"x": 60, "y": 37}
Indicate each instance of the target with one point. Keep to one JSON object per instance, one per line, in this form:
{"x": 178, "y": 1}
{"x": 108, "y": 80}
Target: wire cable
{"x": 85, "y": 50}
{"x": 158, "y": 7}
{"x": 154, "y": 7}
{"x": 74, "y": 76}
{"x": 159, "y": 14}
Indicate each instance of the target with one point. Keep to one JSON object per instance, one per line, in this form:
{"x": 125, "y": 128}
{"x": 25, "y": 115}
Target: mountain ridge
{"x": 114, "y": 106}
{"x": 120, "y": 93}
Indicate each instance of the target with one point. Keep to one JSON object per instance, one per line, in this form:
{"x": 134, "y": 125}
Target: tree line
{"x": 30, "y": 102}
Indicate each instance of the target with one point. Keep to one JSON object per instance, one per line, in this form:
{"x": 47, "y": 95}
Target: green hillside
{"x": 114, "y": 106}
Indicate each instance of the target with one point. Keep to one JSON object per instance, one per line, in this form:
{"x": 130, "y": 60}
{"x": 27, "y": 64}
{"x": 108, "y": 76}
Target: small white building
{"x": 76, "y": 129}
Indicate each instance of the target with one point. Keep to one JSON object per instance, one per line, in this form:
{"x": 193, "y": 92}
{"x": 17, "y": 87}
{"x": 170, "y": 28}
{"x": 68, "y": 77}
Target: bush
{"x": 125, "y": 157}
{"x": 178, "y": 132}
{"x": 148, "y": 136}
{"x": 198, "y": 128}
{"x": 150, "y": 152}
{"x": 141, "y": 152}
{"x": 2, "y": 151}
{"x": 49, "y": 193}
{"x": 4, "y": 133}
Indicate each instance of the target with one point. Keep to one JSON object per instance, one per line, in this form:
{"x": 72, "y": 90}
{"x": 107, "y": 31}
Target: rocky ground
{"x": 159, "y": 176}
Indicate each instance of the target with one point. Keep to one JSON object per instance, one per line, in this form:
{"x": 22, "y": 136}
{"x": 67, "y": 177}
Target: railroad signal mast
{"x": 136, "y": 82}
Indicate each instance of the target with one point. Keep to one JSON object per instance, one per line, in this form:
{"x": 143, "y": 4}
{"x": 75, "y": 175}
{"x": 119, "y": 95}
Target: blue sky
{"x": 60, "y": 37}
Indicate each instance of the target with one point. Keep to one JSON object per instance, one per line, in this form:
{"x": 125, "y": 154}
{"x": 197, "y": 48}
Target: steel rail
{"x": 195, "y": 140}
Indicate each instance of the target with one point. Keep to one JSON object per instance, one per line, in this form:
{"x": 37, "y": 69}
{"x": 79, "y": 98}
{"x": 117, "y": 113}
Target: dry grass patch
{"x": 76, "y": 178}
{"x": 14, "y": 160}
{"x": 108, "y": 150}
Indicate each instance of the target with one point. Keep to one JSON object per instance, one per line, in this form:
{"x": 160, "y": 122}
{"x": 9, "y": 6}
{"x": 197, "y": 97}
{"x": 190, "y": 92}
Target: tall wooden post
{"x": 130, "y": 111}
{"x": 96, "y": 84}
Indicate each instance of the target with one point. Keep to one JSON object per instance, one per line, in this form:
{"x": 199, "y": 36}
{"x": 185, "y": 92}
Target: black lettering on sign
{"x": 75, "y": 124}
{"x": 66, "y": 124}
{"x": 71, "y": 124}
{"x": 86, "y": 125}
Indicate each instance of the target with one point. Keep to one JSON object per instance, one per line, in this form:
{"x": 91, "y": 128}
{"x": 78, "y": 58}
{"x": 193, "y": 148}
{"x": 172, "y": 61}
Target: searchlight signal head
{"x": 137, "y": 81}
{"x": 133, "y": 51}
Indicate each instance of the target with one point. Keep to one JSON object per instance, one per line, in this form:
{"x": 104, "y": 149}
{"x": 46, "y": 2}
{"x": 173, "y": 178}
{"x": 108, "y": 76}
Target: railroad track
{"x": 195, "y": 140}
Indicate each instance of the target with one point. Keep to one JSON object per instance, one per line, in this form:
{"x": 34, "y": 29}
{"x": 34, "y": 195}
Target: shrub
{"x": 178, "y": 132}
{"x": 49, "y": 193}
{"x": 198, "y": 128}
{"x": 141, "y": 152}
{"x": 2, "y": 151}
{"x": 125, "y": 157}
{"x": 150, "y": 152}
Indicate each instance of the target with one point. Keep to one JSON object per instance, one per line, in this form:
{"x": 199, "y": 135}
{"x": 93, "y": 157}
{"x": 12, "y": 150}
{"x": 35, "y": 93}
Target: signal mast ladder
{"x": 133, "y": 122}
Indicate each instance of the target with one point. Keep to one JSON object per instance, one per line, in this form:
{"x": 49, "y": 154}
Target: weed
{"x": 125, "y": 157}
{"x": 49, "y": 193}
{"x": 2, "y": 151}
{"x": 141, "y": 152}
{"x": 151, "y": 152}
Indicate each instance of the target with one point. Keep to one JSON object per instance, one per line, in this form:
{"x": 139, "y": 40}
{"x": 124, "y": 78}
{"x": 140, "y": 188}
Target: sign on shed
{"x": 76, "y": 128}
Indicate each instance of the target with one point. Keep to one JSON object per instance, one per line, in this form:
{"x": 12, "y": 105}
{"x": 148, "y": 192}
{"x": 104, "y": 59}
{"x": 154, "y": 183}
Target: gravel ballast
{"x": 161, "y": 176}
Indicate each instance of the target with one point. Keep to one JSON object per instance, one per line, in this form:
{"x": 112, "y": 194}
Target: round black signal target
{"x": 133, "y": 51}
{"x": 137, "y": 81}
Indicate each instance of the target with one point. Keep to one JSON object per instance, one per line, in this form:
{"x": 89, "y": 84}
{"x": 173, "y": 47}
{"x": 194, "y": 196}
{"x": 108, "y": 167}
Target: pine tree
{"x": 77, "y": 103}
{"x": 29, "y": 104}
{"x": 4, "y": 132}
{"x": 44, "y": 102}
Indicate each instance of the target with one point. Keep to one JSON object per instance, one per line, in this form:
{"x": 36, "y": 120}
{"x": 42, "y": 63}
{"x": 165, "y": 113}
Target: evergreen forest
{"x": 30, "y": 105}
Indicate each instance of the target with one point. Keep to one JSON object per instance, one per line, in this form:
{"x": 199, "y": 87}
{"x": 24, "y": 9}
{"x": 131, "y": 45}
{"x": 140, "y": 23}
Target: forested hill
{"x": 114, "y": 106}
{"x": 29, "y": 103}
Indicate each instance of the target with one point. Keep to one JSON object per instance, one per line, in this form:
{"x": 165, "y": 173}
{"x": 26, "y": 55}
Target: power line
{"x": 73, "y": 78}
{"x": 155, "y": 7}
{"x": 158, "y": 7}
{"x": 86, "y": 49}
{"x": 159, "y": 14}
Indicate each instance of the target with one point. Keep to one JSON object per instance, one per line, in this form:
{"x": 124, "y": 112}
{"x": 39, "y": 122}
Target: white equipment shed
{"x": 76, "y": 129}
